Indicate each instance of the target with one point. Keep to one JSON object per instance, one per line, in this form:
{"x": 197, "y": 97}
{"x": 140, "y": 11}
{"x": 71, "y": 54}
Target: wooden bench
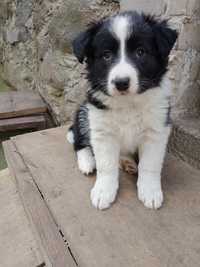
{"x": 18, "y": 246}
{"x": 71, "y": 232}
{"x": 22, "y": 110}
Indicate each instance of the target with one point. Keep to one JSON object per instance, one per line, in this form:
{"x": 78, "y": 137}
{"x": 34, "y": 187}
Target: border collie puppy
{"x": 127, "y": 107}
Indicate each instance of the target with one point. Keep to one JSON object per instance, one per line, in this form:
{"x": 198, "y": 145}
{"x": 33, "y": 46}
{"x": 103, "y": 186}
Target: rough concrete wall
{"x": 18, "y": 47}
{"x": 37, "y": 48}
{"x": 184, "y": 72}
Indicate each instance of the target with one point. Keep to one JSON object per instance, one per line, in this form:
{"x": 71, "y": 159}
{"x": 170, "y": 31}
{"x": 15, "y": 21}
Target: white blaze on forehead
{"x": 120, "y": 27}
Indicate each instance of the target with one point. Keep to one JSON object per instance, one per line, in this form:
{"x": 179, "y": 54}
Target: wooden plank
{"x": 17, "y": 244}
{"x": 28, "y": 122}
{"x": 127, "y": 234}
{"x": 51, "y": 242}
{"x": 20, "y": 103}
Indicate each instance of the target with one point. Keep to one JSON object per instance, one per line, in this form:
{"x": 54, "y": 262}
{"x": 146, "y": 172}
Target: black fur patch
{"x": 81, "y": 128}
{"x": 98, "y": 68}
{"x": 96, "y": 102}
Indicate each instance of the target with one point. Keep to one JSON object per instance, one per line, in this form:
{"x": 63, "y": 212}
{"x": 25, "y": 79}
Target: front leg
{"x": 151, "y": 156}
{"x": 106, "y": 151}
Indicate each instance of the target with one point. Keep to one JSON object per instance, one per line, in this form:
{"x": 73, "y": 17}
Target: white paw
{"x": 151, "y": 195}
{"x": 103, "y": 193}
{"x": 86, "y": 161}
{"x": 70, "y": 137}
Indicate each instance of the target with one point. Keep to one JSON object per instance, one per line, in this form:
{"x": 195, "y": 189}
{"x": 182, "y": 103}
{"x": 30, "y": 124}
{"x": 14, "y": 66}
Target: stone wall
{"x": 36, "y": 45}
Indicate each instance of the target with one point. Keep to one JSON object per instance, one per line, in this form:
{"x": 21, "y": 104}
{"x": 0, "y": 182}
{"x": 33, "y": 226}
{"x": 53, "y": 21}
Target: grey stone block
{"x": 178, "y": 7}
{"x": 193, "y": 8}
{"x": 67, "y": 23}
{"x": 190, "y": 35}
{"x": 185, "y": 140}
{"x": 144, "y": 6}
{"x": 12, "y": 36}
{"x": 23, "y": 12}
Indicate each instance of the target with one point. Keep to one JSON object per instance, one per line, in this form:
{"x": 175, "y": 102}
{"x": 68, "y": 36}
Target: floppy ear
{"x": 165, "y": 38}
{"x": 82, "y": 43}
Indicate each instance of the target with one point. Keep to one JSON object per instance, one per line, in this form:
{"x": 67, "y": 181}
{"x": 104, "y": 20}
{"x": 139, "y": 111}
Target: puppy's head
{"x": 125, "y": 54}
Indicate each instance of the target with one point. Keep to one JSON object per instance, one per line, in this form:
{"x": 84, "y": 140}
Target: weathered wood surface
{"x": 28, "y": 122}
{"x": 20, "y": 103}
{"x": 18, "y": 247}
{"x": 127, "y": 234}
{"x": 51, "y": 243}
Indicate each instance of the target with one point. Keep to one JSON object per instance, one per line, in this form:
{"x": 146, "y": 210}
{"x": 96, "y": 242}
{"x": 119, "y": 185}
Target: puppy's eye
{"x": 140, "y": 52}
{"x": 107, "y": 55}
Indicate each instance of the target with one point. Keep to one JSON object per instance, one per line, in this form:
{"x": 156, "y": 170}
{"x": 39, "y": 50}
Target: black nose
{"x": 122, "y": 84}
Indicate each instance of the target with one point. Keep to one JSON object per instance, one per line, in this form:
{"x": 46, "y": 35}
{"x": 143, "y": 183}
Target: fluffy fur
{"x": 127, "y": 106}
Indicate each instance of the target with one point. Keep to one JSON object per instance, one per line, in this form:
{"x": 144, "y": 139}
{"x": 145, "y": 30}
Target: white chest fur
{"x": 130, "y": 118}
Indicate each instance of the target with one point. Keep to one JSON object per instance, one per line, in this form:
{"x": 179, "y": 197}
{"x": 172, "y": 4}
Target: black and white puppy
{"x": 127, "y": 106}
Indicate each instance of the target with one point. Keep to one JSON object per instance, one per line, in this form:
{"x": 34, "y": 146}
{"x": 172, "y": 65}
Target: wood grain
{"x": 51, "y": 243}
{"x": 20, "y": 103}
{"x": 29, "y": 122}
{"x": 18, "y": 246}
{"x": 127, "y": 234}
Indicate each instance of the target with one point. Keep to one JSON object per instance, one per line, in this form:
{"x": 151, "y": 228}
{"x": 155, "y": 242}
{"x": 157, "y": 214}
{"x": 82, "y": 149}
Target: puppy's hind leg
{"x": 86, "y": 160}
{"x": 78, "y": 135}
{"x": 128, "y": 165}
{"x": 70, "y": 135}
